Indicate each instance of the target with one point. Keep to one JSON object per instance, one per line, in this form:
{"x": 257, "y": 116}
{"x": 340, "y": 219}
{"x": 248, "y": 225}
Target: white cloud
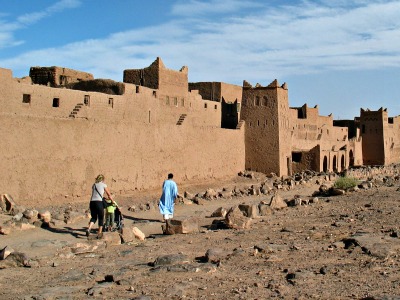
{"x": 263, "y": 43}
{"x": 8, "y": 29}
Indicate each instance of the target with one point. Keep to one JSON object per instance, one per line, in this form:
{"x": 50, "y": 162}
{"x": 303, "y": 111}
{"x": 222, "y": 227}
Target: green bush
{"x": 345, "y": 183}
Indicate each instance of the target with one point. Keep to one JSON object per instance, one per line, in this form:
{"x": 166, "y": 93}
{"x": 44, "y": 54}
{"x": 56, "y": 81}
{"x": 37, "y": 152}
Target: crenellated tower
{"x": 268, "y": 137}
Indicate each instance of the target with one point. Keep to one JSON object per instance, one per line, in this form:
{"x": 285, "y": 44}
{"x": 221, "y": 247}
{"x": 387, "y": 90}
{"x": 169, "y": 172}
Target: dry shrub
{"x": 345, "y": 183}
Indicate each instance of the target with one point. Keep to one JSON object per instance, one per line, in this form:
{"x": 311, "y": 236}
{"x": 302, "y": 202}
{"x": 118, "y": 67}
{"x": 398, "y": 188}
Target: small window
{"x": 154, "y": 94}
{"x": 111, "y": 102}
{"x": 183, "y": 102}
{"x": 258, "y": 122}
{"x": 257, "y": 101}
{"x": 175, "y": 101}
{"x": 296, "y": 156}
{"x": 215, "y": 106}
{"x": 205, "y": 105}
{"x": 167, "y": 100}
{"x": 56, "y": 102}
{"x": 86, "y": 100}
{"x": 26, "y": 98}
{"x": 137, "y": 89}
{"x": 149, "y": 116}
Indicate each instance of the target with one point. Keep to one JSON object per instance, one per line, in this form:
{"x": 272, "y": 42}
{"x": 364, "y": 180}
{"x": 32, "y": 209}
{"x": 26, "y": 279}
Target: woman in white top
{"x": 96, "y": 205}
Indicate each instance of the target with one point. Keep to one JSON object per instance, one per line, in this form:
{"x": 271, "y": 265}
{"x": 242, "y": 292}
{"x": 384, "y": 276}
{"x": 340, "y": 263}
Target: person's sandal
{"x": 87, "y": 233}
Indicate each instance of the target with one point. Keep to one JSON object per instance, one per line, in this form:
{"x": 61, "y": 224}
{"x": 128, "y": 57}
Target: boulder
{"x": 277, "y": 202}
{"x": 215, "y": 255}
{"x": 235, "y": 219}
{"x": 112, "y": 238}
{"x": 210, "y": 194}
{"x": 45, "y": 216}
{"x": 219, "y": 213}
{"x": 7, "y": 202}
{"x": 181, "y": 225}
{"x": 138, "y": 234}
{"x": 250, "y": 211}
{"x": 264, "y": 209}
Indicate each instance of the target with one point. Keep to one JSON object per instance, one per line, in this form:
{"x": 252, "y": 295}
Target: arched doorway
{"x": 351, "y": 158}
{"x": 334, "y": 166}
{"x": 342, "y": 164}
{"x": 325, "y": 164}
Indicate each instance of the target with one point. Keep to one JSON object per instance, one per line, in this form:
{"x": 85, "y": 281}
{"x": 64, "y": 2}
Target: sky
{"x": 341, "y": 55}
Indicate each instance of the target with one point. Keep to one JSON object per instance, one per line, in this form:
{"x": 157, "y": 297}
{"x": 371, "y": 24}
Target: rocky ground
{"x": 323, "y": 247}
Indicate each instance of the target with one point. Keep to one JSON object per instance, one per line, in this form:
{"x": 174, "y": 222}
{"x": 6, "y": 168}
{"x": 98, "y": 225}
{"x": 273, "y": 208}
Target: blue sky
{"x": 341, "y": 55}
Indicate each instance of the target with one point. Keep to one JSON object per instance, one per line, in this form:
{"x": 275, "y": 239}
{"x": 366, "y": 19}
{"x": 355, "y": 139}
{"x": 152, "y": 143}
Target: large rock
{"x": 74, "y": 217}
{"x": 219, "y": 213}
{"x": 181, "y": 225}
{"x": 210, "y": 194}
{"x": 15, "y": 259}
{"x": 235, "y": 219}
{"x": 171, "y": 259}
{"x": 250, "y": 211}
{"x": 215, "y": 255}
{"x": 277, "y": 202}
{"x": 138, "y": 234}
{"x": 45, "y": 216}
{"x": 7, "y": 202}
{"x": 112, "y": 238}
{"x": 264, "y": 209}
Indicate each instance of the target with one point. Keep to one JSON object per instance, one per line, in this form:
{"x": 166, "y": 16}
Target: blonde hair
{"x": 99, "y": 178}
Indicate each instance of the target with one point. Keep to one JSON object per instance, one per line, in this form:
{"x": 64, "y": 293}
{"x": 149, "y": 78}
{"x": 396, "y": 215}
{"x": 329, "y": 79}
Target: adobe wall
{"x": 135, "y": 140}
{"x": 260, "y": 111}
{"x": 372, "y": 133}
{"x": 170, "y": 82}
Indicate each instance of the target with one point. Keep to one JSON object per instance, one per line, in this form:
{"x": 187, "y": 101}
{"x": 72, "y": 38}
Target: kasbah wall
{"x": 59, "y": 131}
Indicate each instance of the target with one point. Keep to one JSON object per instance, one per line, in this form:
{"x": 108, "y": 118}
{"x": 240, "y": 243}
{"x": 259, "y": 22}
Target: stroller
{"x": 118, "y": 220}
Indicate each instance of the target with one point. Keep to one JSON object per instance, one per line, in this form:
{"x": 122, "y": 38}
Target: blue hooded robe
{"x": 170, "y": 192}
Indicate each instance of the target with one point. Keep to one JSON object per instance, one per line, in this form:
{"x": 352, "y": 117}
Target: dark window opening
{"x": 86, "y": 100}
{"x": 215, "y": 106}
{"x": 390, "y": 120}
{"x": 205, "y": 105}
{"x": 137, "y": 89}
{"x": 154, "y": 94}
{"x": 363, "y": 129}
{"x": 111, "y": 102}
{"x": 56, "y": 102}
{"x": 296, "y": 156}
{"x": 26, "y": 98}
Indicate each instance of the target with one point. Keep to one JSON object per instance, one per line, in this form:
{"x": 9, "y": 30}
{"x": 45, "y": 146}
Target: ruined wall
{"x": 55, "y": 76}
{"x": 134, "y": 139}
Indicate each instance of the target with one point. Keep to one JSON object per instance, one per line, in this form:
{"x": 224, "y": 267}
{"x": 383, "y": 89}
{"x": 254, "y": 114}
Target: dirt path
{"x": 298, "y": 252}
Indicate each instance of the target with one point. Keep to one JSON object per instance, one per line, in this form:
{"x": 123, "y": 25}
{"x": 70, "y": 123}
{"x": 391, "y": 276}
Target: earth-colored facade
{"x": 58, "y": 133}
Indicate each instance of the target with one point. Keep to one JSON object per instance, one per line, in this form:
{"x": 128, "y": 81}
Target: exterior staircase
{"x": 75, "y": 111}
{"x": 181, "y": 119}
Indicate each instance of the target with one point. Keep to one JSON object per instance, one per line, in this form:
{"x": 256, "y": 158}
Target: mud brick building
{"x": 62, "y": 127}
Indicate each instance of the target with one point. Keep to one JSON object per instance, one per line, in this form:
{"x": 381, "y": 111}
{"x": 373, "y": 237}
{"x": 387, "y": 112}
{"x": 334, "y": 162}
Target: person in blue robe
{"x": 167, "y": 200}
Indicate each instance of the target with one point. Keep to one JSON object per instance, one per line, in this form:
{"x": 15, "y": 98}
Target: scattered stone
{"x": 138, "y": 234}
{"x": 15, "y": 259}
{"x": 171, "y": 259}
{"x": 112, "y": 238}
{"x": 277, "y": 202}
{"x": 250, "y": 211}
{"x": 215, "y": 255}
{"x": 236, "y": 220}
{"x": 264, "y": 209}
{"x": 181, "y": 225}
{"x": 219, "y": 213}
